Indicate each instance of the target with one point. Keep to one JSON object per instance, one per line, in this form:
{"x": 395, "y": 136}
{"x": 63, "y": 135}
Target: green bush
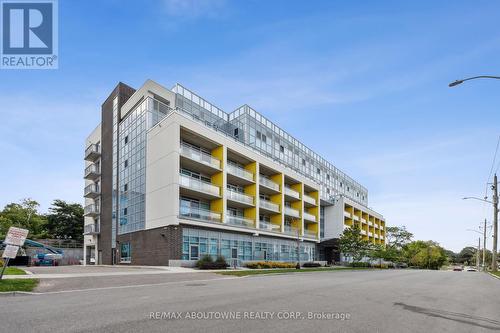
{"x": 311, "y": 264}
{"x": 269, "y": 264}
{"x": 1, "y": 262}
{"x": 383, "y": 266}
{"x": 359, "y": 264}
{"x": 207, "y": 262}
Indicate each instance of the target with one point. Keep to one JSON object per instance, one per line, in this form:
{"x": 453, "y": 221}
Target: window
{"x": 328, "y": 191}
{"x": 125, "y": 252}
{"x": 125, "y": 188}
{"x": 236, "y": 132}
{"x": 126, "y": 163}
{"x": 328, "y": 177}
{"x": 125, "y": 211}
{"x": 318, "y": 171}
{"x": 282, "y": 149}
{"x": 126, "y": 139}
{"x": 303, "y": 162}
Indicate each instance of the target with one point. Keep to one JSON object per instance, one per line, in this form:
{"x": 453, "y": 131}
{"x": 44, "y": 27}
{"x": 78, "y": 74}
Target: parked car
{"x": 471, "y": 269}
{"x": 458, "y": 268}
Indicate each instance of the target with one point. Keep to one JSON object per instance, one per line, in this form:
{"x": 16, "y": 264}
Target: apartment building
{"x": 170, "y": 177}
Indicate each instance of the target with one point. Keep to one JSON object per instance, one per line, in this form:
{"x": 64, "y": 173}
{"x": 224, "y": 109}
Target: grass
{"x": 18, "y": 285}
{"x": 14, "y": 271}
{"x": 496, "y": 273}
{"x": 285, "y": 270}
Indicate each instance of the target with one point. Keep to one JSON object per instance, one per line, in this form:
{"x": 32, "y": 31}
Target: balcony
{"x": 363, "y": 221}
{"x": 199, "y": 186}
{"x": 268, "y": 205}
{"x": 291, "y": 231}
{"x": 310, "y": 200}
{"x": 268, "y": 183}
{"x": 309, "y": 217}
{"x": 363, "y": 232}
{"x": 200, "y": 214}
{"x": 370, "y": 223}
{"x": 347, "y": 214}
{"x": 381, "y": 227}
{"x": 310, "y": 234}
{"x": 199, "y": 156}
{"x": 355, "y": 217}
{"x": 292, "y": 193}
{"x": 91, "y": 229}
{"x": 376, "y": 236}
{"x": 382, "y": 237}
{"x": 268, "y": 226}
{"x": 92, "y": 172}
{"x": 239, "y": 172}
{"x": 376, "y": 225}
{"x": 239, "y": 197}
{"x": 370, "y": 234}
{"x": 92, "y": 191}
{"x": 92, "y": 152}
{"x": 240, "y": 221}
{"x": 292, "y": 212}
{"x": 91, "y": 210}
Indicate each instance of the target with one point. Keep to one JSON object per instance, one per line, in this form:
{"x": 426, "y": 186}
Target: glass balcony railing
{"x": 91, "y": 229}
{"x": 92, "y": 172}
{"x": 309, "y": 199}
{"x": 381, "y": 227}
{"x": 200, "y": 214}
{"x": 309, "y": 217}
{"x": 355, "y": 217}
{"x": 240, "y": 221}
{"x": 292, "y": 212}
{"x": 91, "y": 210}
{"x": 92, "y": 190}
{"x": 264, "y": 225}
{"x": 370, "y": 234}
{"x": 291, "y": 230}
{"x": 92, "y": 152}
{"x": 269, "y": 205}
{"x": 291, "y": 192}
{"x": 198, "y": 185}
{"x": 363, "y": 232}
{"x": 269, "y": 183}
{"x": 199, "y": 156}
{"x": 240, "y": 197}
{"x": 310, "y": 233}
{"x": 240, "y": 172}
{"x": 347, "y": 214}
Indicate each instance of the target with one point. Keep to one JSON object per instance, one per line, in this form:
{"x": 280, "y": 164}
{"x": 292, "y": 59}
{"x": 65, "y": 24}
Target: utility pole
{"x": 495, "y": 224}
{"x": 478, "y": 251}
{"x": 484, "y": 247}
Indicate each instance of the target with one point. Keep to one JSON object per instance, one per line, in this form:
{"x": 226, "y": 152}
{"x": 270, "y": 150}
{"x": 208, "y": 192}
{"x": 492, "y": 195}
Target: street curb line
{"x": 495, "y": 276}
{"x": 16, "y": 293}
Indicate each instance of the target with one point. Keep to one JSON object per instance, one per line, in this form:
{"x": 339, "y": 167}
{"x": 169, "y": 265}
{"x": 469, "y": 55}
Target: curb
{"x": 495, "y": 276}
{"x": 16, "y": 293}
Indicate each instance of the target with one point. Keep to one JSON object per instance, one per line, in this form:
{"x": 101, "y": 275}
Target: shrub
{"x": 383, "y": 266}
{"x": 206, "y": 262}
{"x": 1, "y": 262}
{"x": 311, "y": 264}
{"x": 359, "y": 264}
{"x": 269, "y": 264}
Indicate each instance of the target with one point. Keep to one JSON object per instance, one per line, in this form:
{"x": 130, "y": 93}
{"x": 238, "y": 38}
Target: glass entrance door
{"x": 193, "y": 252}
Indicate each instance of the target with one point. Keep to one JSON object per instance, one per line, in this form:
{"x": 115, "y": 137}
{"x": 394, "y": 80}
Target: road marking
{"x": 128, "y": 286}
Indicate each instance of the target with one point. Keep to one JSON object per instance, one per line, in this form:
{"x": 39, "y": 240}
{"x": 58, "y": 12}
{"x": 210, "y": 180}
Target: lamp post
{"x": 495, "y": 222}
{"x": 457, "y": 82}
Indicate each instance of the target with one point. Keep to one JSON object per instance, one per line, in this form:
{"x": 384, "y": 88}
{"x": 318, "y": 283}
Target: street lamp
{"x": 484, "y": 248}
{"x": 476, "y": 198}
{"x": 457, "y": 82}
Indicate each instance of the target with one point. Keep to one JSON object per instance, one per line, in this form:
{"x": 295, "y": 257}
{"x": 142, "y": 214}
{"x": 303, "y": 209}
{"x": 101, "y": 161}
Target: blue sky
{"x": 362, "y": 83}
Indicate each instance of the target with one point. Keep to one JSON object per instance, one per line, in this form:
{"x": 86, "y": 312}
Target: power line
{"x": 492, "y": 166}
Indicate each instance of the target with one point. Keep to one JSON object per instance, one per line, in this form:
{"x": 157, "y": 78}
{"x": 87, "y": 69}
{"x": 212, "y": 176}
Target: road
{"x": 368, "y": 301}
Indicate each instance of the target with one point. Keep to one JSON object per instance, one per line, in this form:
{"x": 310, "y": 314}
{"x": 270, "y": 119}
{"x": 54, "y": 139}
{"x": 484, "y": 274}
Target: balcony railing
{"x": 264, "y": 225}
{"x": 291, "y": 231}
{"x": 92, "y": 191}
{"x": 199, "y": 156}
{"x": 240, "y": 172}
{"x": 92, "y": 172}
{"x": 355, "y": 217}
{"x": 269, "y": 205}
{"x": 198, "y": 185}
{"x": 310, "y": 233}
{"x": 347, "y": 214}
{"x": 370, "y": 234}
{"x": 269, "y": 183}
{"x": 92, "y": 152}
{"x": 200, "y": 214}
{"x": 91, "y": 210}
{"x": 309, "y": 217}
{"x": 292, "y": 212}
{"x": 376, "y": 236}
{"x": 240, "y": 197}
{"x": 309, "y": 199}
{"x": 363, "y": 220}
{"x": 376, "y": 225}
{"x": 240, "y": 221}
{"x": 370, "y": 223}
{"x": 363, "y": 232}
{"x": 381, "y": 227}
{"x": 91, "y": 229}
{"x": 291, "y": 192}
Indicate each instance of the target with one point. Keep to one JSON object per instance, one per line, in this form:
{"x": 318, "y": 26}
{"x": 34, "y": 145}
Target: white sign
{"x": 16, "y": 236}
{"x": 10, "y": 251}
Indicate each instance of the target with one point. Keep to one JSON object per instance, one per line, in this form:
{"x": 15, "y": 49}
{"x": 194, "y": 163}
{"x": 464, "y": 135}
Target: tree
{"x": 425, "y": 254}
{"x": 396, "y": 239}
{"x": 65, "y": 220}
{"x": 23, "y": 215}
{"x": 352, "y": 244}
{"x": 467, "y": 255}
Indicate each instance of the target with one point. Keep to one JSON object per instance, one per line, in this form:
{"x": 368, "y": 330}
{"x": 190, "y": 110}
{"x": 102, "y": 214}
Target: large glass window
{"x": 125, "y": 253}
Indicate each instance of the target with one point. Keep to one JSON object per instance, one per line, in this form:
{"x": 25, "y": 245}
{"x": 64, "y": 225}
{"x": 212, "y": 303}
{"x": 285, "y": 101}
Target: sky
{"x": 364, "y": 84}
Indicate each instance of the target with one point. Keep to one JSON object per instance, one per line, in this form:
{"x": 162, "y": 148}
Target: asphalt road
{"x": 356, "y": 301}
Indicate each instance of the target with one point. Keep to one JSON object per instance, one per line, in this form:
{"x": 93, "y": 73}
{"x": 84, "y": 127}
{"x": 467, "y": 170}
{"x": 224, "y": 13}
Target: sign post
{"x": 13, "y": 241}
